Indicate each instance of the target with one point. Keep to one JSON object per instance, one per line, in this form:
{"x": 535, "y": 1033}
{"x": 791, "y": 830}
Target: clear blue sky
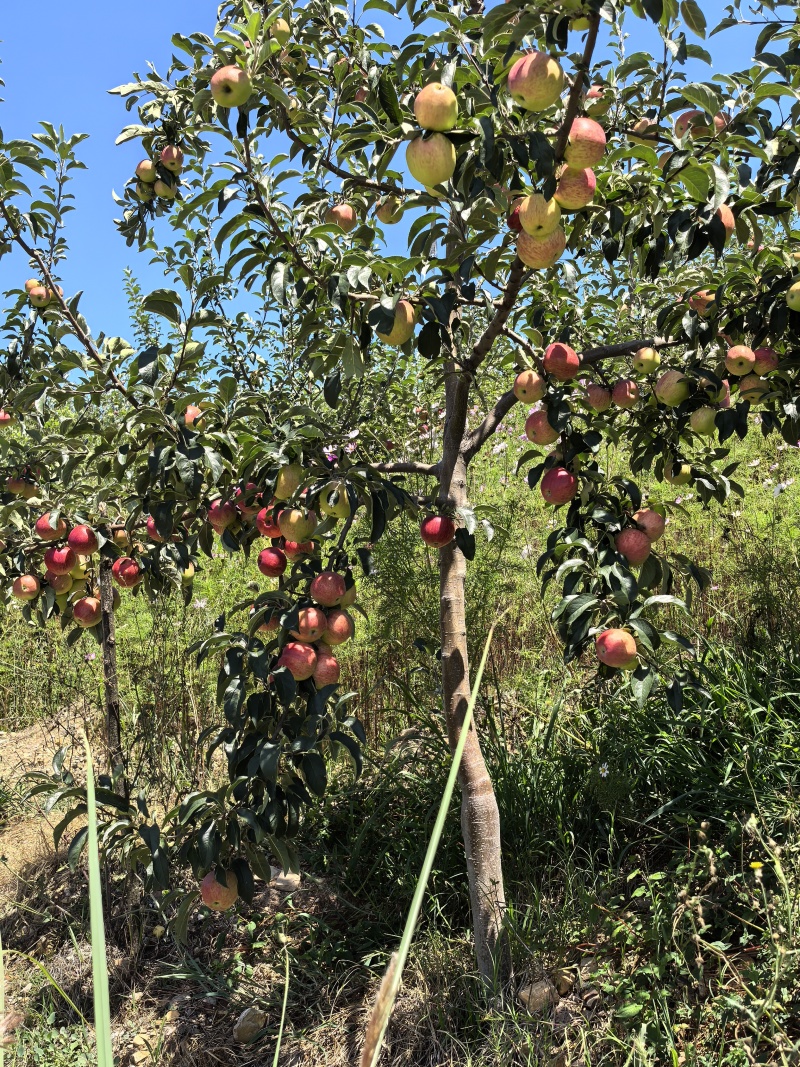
{"x": 58, "y": 61}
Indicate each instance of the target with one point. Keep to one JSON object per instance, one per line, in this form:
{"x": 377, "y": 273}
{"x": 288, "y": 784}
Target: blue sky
{"x": 59, "y": 60}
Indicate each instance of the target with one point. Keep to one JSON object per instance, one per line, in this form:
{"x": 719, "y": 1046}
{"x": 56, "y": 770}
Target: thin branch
{"x": 406, "y": 467}
{"x": 624, "y": 348}
{"x": 577, "y": 87}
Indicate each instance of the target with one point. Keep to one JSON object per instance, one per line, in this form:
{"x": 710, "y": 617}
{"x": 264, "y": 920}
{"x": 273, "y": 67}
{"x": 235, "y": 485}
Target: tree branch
{"x": 406, "y": 467}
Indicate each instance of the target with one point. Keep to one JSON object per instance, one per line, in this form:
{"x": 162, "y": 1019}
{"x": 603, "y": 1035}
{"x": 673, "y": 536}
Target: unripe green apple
{"x": 702, "y": 421}
{"x": 165, "y": 191}
{"x": 646, "y": 361}
{"x": 672, "y": 388}
{"x": 388, "y": 211}
{"x": 281, "y": 31}
{"x": 146, "y": 171}
{"x": 793, "y": 296}
{"x": 539, "y": 217}
{"x": 333, "y": 500}
{"x": 677, "y": 473}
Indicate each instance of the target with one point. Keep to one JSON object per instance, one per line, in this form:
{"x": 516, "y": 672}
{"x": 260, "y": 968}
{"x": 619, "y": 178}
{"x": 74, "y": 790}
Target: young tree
{"x": 581, "y": 230}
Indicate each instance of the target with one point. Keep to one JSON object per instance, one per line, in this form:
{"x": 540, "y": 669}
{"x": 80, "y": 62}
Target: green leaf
{"x": 693, "y": 17}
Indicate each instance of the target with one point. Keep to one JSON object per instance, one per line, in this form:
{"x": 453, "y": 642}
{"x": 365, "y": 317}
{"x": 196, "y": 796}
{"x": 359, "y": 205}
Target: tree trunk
{"x": 480, "y": 818}
{"x": 115, "y": 757}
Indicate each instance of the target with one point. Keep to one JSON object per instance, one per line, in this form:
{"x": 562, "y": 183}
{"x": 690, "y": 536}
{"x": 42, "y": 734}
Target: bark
{"x": 115, "y": 756}
{"x": 480, "y": 817}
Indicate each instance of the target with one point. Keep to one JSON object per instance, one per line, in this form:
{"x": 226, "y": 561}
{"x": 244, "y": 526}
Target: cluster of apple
{"x": 157, "y": 177}
{"x": 39, "y": 295}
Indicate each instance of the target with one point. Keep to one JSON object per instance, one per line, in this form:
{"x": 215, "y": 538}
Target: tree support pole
{"x": 108, "y": 642}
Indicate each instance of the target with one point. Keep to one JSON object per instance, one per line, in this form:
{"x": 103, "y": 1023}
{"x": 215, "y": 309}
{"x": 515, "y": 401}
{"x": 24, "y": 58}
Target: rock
{"x": 539, "y": 996}
{"x": 563, "y": 980}
{"x": 248, "y": 1024}
{"x": 591, "y": 998}
{"x": 284, "y": 883}
{"x": 589, "y": 966}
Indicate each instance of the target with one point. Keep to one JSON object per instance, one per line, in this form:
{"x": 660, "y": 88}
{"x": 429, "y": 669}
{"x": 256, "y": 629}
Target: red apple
{"x": 327, "y": 670}
{"x": 615, "y": 647}
{"x": 83, "y": 540}
{"x": 342, "y": 215}
{"x": 266, "y": 521}
{"x": 272, "y": 562}
{"x": 740, "y": 360}
{"x": 535, "y": 81}
{"x": 651, "y": 522}
{"x": 625, "y": 393}
{"x": 126, "y": 572}
{"x": 46, "y": 532}
{"x": 538, "y": 429}
{"x": 541, "y": 254}
{"x": 561, "y": 361}
{"x": 87, "y": 611}
{"x": 26, "y": 587}
{"x": 328, "y": 588}
{"x": 299, "y": 659}
{"x": 634, "y": 545}
{"x": 60, "y": 560}
{"x": 529, "y": 387}
{"x": 311, "y": 625}
{"x": 172, "y": 158}
{"x": 587, "y": 143}
{"x": 559, "y": 486}
{"x": 340, "y": 628}
{"x": 215, "y": 895}
{"x": 221, "y": 514}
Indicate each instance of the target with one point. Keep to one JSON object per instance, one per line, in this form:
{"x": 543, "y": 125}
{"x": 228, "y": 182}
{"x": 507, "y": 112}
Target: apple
{"x": 558, "y": 486}
{"x": 539, "y": 217}
{"x": 535, "y": 81}
{"x": 753, "y": 388}
{"x": 677, "y": 473}
{"x": 172, "y": 158}
{"x": 21, "y": 487}
{"x": 431, "y": 160}
{"x": 625, "y": 393}
{"x": 702, "y": 421}
{"x": 266, "y": 521}
{"x": 634, "y": 545}
{"x": 327, "y": 589}
{"x": 436, "y": 107}
{"x": 586, "y": 144}
{"x": 83, "y": 540}
{"x": 221, "y": 513}
{"x": 340, "y": 628}
{"x": 349, "y": 597}
{"x": 651, "y": 522}
{"x": 575, "y": 188}
{"x": 269, "y": 623}
{"x": 793, "y": 296}
{"x": 342, "y": 215}
{"x": 187, "y": 574}
{"x": 740, "y": 360}
{"x": 299, "y": 659}
{"x": 437, "y": 530}
{"x": 598, "y": 397}
{"x": 672, "y": 388}
{"x": 26, "y": 587}
{"x": 294, "y": 550}
{"x": 529, "y": 387}
{"x": 767, "y": 360}
{"x": 6, "y": 418}
{"x": 81, "y": 568}
{"x": 32, "y": 283}
{"x": 664, "y": 158}
{"x": 403, "y": 328}
{"x": 646, "y": 361}
{"x": 146, "y": 171}
{"x": 513, "y": 219}
{"x": 272, "y": 562}
{"x": 333, "y": 500}
{"x": 561, "y": 361}
{"x": 165, "y": 190}
{"x": 281, "y": 31}
{"x": 615, "y": 647}
{"x": 296, "y": 524}
{"x": 144, "y": 192}
{"x": 121, "y": 538}
{"x": 702, "y": 302}
{"x": 311, "y": 625}
{"x": 538, "y": 429}
{"x": 39, "y": 296}
{"x": 192, "y": 414}
{"x": 46, "y": 532}
{"x": 695, "y": 123}
{"x": 230, "y": 86}
{"x": 725, "y": 216}
{"x": 126, "y": 572}
{"x": 288, "y": 481}
{"x": 388, "y": 210}
{"x": 215, "y": 895}
{"x": 60, "y": 560}
{"x": 644, "y": 131}
{"x": 59, "y": 583}
{"x": 544, "y": 253}
{"x": 246, "y": 501}
{"x": 87, "y": 611}
{"x": 327, "y": 670}
{"x": 596, "y": 101}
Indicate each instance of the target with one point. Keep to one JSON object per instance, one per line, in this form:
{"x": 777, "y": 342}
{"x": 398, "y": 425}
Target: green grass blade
{"x": 102, "y": 1002}
{"x": 387, "y": 994}
{"x": 283, "y": 1012}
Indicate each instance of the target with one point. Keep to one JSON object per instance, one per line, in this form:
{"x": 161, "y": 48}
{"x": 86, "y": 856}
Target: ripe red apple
{"x": 576, "y": 188}
{"x": 87, "y": 611}
{"x": 192, "y": 414}
{"x": 246, "y": 501}
{"x": 513, "y": 219}
{"x": 221, "y": 513}
{"x": 299, "y": 659}
{"x": 215, "y": 895}
{"x": 22, "y": 487}
{"x": 644, "y": 131}
{"x": 597, "y": 101}
{"x": 767, "y": 360}
{"x": 404, "y": 320}
{"x": 83, "y": 540}
{"x": 740, "y": 360}
{"x": 753, "y": 388}
{"x": 541, "y": 254}
{"x": 327, "y": 670}
{"x": 342, "y": 215}
{"x": 702, "y": 421}
{"x": 340, "y": 628}
{"x": 535, "y": 81}
{"x": 702, "y": 302}
{"x": 294, "y": 550}
{"x": 538, "y": 429}
{"x": 46, "y": 532}
{"x": 598, "y": 397}
{"x": 615, "y": 647}
{"x": 172, "y": 158}
{"x": 146, "y": 171}
{"x": 230, "y": 87}
{"x": 646, "y": 361}
{"x": 267, "y": 524}
{"x": 436, "y": 107}
{"x": 725, "y": 216}
{"x": 272, "y": 562}
{"x": 672, "y": 388}
{"x": 152, "y": 532}
{"x": 437, "y": 530}
{"x": 651, "y": 522}
{"x": 126, "y": 572}
{"x": 529, "y": 387}
{"x": 26, "y": 587}
{"x": 59, "y": 583}
{"x": 327, "y": 588}
{"x": 558, "y": 486}
{"x": 586, "y": 144}
{"x": 311, "y": 625}
{"x": 633, "y": 544}
{"x": 6, "y": 418}
{"x": 625, "y": 393}
{"x": 539, "y": 217}
{"x": 561, "y": 361}
{"x": 296, "y": 524}
{"x": 60, "y": 560}
{"x": 431, "y": 160}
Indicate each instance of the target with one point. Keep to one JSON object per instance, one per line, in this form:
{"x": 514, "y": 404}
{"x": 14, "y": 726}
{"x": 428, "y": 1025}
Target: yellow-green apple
{"x": 561, "y": 361}
{"x": 672, "y": 388}
{"x": 575, "y": 188}
{"x": 46, "y": 532}
{"x": 342, "y": 215}
{"x": 83, "y": 540}
{"x": 87, "y": 611}
{"x": 615, "y": 647}
{"x": 436, "y": 107}
{"x": 535, "y": 81}
{"x": 644, "y": 131}
{"x": 740, "y": 360}
{"x": 598, "y": 397}
{"x": 32, "y": 283}
{"x": 230, "y": 86}
{"x": 26, "y": 587}
{"x": 340, "y": 628}
{"x": 558, "y": 486}
{"x": 703, "y": 421}
{"x": 327, "y": 670}
{"x": 404, "y": 319}
{"x": 437, "y": 530}
{"x": 349, "y": 597}
{"x": 633, "y": 544}
{"x": 39, "y": 296}
{"x": 311, "y": 625}
{"x": 677, "y": 473}
{"x": 767, "y": 360}
{"x": 145, "y": 192}
{"x": 281, "y": 31}
{"x": 539, "y": 217}
{"x": 431, "y": 160}
{"x": 299, "y": 659}
{"x": 646, "y": 360}
{"x": 187, "y": 574}
{"x": 651, "y": 522}
{"x": 272, "y": 562}
{"x": 388, "y": 210}
{"x": 586, "y": 143}
{"x": 146, "y": 171}
{"x": 753, "y": 388}
{"x": 544, "y": 253}
{"x": 297, "y": 524}
{"x": 288, "y": 481}
{"x": 597, "y": 100}
{"x": 539, "y": 430}
{"x": 165, "y": 190}
{"x": 333, "y": 500}
{"x": 215, "y": 895}
{"x": 172, "y": 158}
{"x": 793, "y": 296}
{"x": 81, "y": 567}
{"x": 327, "y": 589}
{"x": 529, "y": 387}
{"x": 21, "y": 487}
